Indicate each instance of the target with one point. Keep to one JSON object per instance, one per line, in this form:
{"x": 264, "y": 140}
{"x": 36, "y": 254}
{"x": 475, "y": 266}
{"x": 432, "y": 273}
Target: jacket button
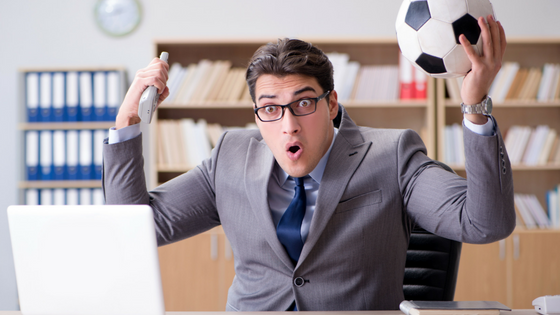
{"x": 299, "y": 282}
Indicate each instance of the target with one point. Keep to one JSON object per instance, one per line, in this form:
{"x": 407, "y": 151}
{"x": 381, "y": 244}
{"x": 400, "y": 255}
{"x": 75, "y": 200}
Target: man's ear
{"x": 333, "y": 104}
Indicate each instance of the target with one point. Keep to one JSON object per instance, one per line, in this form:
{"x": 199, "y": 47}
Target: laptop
{"x": 83, "y": 260}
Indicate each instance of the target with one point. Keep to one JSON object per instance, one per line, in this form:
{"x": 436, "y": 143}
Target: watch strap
{"x": 484, "y": 107}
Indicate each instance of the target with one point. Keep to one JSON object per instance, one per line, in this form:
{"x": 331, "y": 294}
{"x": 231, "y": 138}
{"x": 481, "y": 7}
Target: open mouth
{"x": 294, "y": 148}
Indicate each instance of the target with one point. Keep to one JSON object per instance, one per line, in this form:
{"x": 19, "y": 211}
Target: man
{"x": 358, "y": 191}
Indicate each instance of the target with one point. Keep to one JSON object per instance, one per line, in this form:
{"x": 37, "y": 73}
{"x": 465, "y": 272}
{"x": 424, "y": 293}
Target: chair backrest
{"x": 432, "y": 263}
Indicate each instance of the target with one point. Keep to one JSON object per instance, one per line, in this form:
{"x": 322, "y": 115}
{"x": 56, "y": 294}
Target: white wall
{"x": 62, "y": 33}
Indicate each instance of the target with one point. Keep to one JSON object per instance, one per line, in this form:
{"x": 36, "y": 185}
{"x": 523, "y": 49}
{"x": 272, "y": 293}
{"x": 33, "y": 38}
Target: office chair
{"x": 432, "y": 263}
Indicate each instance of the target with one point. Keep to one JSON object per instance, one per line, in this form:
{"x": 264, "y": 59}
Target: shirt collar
{"x": 317, "y": 173}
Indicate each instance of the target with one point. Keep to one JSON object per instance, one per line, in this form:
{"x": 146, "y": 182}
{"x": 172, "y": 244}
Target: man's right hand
{"x": 156, "y": 74}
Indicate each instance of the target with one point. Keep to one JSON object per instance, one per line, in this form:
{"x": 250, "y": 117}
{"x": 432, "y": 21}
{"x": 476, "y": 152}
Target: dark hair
{"x": 290, "y": 56}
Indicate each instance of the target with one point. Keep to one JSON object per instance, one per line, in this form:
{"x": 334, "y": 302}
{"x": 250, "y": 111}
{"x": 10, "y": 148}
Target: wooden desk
{"x": 513, "y": 312}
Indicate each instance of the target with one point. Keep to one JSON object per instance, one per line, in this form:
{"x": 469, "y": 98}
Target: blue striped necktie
{"x": 289, "y": 227}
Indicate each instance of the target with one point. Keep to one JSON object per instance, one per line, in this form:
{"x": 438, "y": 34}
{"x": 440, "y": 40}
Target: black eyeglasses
{"x": 302, "y": 107}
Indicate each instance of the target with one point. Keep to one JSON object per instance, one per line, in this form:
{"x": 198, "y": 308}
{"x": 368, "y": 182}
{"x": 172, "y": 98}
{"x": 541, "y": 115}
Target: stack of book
{"x": 183, "y": 143}
{"x": 356, "y": 82}
{"x": 64, "y": 154}
{"x": 525, "y": 145}
{"x": 531, "y": 215}
{"x": 516, "y": 83}
{"x": 532, "y": 146}
{"x": 412, "y": 81}
{"x": 208, "y": 82}
{"x": 58, "y": 96}
{"x": 64, "y": 196}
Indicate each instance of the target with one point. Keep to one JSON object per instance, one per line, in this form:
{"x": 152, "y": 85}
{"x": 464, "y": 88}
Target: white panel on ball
{"x": 407, "y": 37}
{"x": 453, "y": 62}
{"x": 478, "y": 8}
{"x": 402, "y": 14}
{"x": 447, "y": 11}
{"x": 436, "y": 38}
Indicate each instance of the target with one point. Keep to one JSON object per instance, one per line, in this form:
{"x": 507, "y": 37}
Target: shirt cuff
{"x": 484, "y": 130}
{"x": 123, "y": 134}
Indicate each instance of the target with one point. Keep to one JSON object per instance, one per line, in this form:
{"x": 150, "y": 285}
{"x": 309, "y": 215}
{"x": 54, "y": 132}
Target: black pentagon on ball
{"x": 467, "y": 25}
{"x": 418, "y": 14}
{"x": 431, "y": 64}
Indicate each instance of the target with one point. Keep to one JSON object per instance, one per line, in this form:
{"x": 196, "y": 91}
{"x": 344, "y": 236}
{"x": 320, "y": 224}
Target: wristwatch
{"x": 484, "y": 107}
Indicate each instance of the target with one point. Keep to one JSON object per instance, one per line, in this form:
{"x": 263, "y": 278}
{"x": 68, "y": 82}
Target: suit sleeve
{"x": 183, "y": 206}
{"x": 478, "y": 209}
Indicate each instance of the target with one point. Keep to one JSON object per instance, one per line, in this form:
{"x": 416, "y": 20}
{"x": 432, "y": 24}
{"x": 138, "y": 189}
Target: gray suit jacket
{"x": 378, "y": 183}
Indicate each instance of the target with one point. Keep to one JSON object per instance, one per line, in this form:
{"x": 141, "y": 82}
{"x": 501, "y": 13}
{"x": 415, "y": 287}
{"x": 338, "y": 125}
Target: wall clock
{"x": 118, "y": 17}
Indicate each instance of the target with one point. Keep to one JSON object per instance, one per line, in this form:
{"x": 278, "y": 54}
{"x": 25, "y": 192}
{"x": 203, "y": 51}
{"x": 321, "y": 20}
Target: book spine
{"x": 100, "y": 96}
{"x": 72, "y": 96}
{"x": 58, "y": 114}
{"x": 32, "y": 96}
{"x": 86, "y": 96}
{"x": 32, "y": 154}
{"x": 45, "y": 97}
{"x": 59, "y": 154}
{"x": 406, "y": 79}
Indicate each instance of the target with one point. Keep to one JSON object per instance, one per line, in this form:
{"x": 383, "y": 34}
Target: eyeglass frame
{"x": 317, "y": 100}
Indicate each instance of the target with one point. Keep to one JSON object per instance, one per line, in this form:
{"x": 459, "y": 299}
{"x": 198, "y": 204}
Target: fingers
{"x": 495, "y": 36}
{"x": 163, "y": 96}
{"x": 503, "y": 42}
{"x": 485, "y": 32}
{"x": 471, "y": 53}
{"x": 155, "y": 74}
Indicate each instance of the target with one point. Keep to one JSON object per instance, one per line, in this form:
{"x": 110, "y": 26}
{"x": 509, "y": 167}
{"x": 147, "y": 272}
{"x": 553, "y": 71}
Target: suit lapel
{"x": 258, "y": 169}
{"x": 346, "y": 155}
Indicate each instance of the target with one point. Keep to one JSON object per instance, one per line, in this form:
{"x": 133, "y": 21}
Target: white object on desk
{"x": 549, "y": 304}
{"x": 86, "y": 260}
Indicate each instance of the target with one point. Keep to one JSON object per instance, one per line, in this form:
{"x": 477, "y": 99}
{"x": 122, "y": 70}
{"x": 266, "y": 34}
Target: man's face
{"x": 297, "y": 142}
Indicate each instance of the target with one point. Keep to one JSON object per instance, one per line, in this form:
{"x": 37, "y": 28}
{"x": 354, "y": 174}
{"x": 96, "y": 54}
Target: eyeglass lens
{"x": 299, "y": 108}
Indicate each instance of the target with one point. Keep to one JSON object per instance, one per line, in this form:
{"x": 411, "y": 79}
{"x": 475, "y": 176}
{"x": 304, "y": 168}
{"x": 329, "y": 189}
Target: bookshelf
{"x": 522, "y": 267}
{"x": 414, "y": 114}
{"x": 418, "y": 115}
{"x": 64, "y": 112}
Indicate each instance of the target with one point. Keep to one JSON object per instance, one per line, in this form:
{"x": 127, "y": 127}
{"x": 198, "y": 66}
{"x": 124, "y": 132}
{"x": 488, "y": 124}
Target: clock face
{"x": 118, "y": 17}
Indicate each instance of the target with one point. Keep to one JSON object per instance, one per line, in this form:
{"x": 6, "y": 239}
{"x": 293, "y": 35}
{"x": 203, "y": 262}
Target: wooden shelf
{"x": 66, "y": 125}
{"x": 60, "y": 184}
{"x": 207, "y": 105}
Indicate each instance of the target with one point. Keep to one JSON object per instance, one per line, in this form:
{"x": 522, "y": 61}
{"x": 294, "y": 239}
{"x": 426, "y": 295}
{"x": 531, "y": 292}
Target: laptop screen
{"x": 86, "y": 259}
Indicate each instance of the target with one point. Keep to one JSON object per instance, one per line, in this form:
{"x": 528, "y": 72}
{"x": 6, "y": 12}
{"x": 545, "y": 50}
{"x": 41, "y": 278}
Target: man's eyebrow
{"x": 266, "y": 96}
{"x": 305, "y": 89}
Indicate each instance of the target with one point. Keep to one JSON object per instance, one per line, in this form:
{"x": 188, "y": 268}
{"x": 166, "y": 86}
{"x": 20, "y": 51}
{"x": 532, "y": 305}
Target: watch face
{"x": 488, "y": 105}
{"x": 118, "y": 17}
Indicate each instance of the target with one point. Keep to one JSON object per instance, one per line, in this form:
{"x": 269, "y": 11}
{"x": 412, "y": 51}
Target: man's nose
{"x": 290, "y": 123}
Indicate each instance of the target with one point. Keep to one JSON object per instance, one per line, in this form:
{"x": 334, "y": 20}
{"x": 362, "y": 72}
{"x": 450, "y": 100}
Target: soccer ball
{"x": 428, "y": 34}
